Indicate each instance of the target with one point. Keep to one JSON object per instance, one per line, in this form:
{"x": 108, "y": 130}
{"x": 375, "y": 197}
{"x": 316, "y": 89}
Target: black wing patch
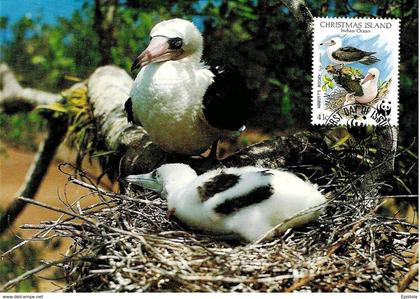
{"x": 350, "y": 54}
{"x": 235, "y": 204}
{"x": 228, "y": 101}
{"x": 128, "y": 107}
{"x": 217, "y": 184}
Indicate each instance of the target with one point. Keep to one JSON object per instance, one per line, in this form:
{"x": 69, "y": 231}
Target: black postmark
{"x": 366, "y": 146}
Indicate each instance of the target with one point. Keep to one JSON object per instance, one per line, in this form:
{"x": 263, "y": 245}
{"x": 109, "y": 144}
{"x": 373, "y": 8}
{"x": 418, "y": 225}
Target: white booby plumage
{"x": 177, "y": 98}
{"x": 369, "y": 86}
{"x": 246, "y": 202}
{"x": 345, "y": 55}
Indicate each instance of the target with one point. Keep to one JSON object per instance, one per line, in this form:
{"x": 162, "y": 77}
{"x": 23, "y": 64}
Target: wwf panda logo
{"x": 384, "y": 108}
{"x": 356, "y": 120}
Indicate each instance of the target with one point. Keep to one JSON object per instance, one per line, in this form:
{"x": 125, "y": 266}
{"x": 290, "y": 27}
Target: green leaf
{"x": 54, "y": 107}
{"x": 326, "y": 79}
{"x": 3, "y": 22}
{"x": 274, "y": 82}
{"x": 38, "y": 59}
{"x": 342, "y": 140}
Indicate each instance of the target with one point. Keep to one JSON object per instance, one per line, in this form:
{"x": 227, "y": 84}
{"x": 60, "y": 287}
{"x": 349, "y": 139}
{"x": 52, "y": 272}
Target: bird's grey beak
{"x": 327, "y": 43}
{"x": 158, "y": 50}
{"x": 147, "y": 181}
{"x": 368, "y": 77}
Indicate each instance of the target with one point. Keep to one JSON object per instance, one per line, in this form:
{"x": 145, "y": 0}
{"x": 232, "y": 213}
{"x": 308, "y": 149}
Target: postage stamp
{"x": 355, "y": 72}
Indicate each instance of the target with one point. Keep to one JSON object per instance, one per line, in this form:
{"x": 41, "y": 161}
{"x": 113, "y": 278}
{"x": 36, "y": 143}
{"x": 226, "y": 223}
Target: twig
{"x": 109, "y": 193}
{"x": 13, "y": 91}
{"x": 408, "y": 278}
{"x": 300, "y": 282}
{"x": 35, "y": 174}
{"x": 13, "y": 282}
{"x": 301, "y": 13}
{"x": 49, "y": 207}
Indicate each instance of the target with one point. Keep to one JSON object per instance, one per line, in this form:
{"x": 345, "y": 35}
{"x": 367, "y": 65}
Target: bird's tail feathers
{"x": 367, "y": 60}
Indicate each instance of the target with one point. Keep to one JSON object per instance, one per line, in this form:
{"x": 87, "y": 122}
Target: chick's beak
{"x": 157, "y": 50}
{"x": 146, "y": 181}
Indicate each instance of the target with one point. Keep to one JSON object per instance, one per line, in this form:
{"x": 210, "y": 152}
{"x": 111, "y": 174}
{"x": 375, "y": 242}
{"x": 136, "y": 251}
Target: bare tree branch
{"x": 108, "y": 89}
{"x": 35, "y": 174}
{"x": 27, "y": 274}
{"x": 408, "y": 278}
{"x": 12, "y": 91}
{"x": 301, "y": 13}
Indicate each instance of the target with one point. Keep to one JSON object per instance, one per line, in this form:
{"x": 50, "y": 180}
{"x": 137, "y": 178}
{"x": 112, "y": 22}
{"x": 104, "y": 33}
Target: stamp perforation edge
{"x": 392, "y": 41}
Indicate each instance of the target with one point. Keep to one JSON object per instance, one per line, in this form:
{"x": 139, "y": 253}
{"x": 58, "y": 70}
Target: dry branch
{"x": 15, "y": 281}
{"x": 35, "y": 174}
{"x": 13, "y": 92}
{"x": 408, "y": 278}
{"x": 301, "y": 13}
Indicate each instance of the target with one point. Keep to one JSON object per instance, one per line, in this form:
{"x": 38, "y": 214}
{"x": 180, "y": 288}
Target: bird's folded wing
{"x": 128, "y": 107}
{"x": 227, "y": 101}
{"x": 350, "y": 54}
{"x": 350, "y": 85}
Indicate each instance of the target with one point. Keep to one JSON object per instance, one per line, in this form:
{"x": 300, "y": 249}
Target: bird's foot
{"x": 213, "y": 151}
{"x": 211, "y": 160}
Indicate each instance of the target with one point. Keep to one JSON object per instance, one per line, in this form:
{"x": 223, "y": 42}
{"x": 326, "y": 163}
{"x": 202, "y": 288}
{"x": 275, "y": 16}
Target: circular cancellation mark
{"x": 372, "y": 143}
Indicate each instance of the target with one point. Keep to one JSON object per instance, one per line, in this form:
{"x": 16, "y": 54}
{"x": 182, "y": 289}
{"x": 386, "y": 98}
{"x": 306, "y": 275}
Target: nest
{"x": 129, "y": 242}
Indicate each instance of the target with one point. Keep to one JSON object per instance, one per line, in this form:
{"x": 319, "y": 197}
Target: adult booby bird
{"x": 184, "y": 105}
{"x": 369, "y": 87}
{"x": 346, "y": 55}
{"x": 246, "y": 202}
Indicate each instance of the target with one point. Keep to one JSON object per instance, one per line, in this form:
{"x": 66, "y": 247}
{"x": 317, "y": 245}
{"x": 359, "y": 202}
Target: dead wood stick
{"x": 109, "y": 193}
{"x": 13, "y": 92}
{"x": 301, "y": 13}
{"x": 408, "y": 278}
{"x": 13, "y": 282}
{"x": 49, "y": 207}
{"x": 35, "y": 174}
{"x": 300, "y": 282}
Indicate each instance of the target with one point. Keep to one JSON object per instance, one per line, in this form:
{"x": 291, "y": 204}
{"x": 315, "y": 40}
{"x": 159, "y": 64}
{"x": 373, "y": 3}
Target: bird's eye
{"x": 154, "y": 174}
{"x": 175, "y": 43}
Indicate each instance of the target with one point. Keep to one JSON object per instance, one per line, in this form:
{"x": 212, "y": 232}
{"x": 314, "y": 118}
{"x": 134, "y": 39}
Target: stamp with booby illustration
{"x": 355, "y": 71}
